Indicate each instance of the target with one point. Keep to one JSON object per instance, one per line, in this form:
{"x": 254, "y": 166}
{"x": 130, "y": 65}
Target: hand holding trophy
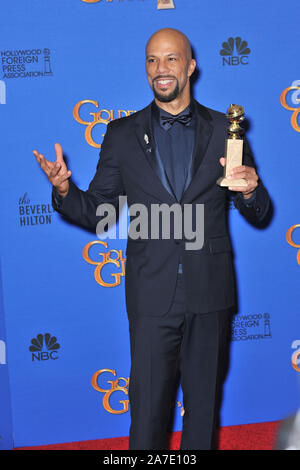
{"x": 233, "y": 147}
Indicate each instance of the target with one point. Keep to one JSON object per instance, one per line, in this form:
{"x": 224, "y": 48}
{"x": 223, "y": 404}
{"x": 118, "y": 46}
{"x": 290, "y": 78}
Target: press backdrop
{"x": 68, "y": 67}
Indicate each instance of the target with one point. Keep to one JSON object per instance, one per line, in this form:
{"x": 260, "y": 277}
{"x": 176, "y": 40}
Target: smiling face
{"x": 169, "y": 65}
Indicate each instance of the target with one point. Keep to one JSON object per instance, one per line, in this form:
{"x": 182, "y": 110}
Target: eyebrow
{"x": 168, "y": 55}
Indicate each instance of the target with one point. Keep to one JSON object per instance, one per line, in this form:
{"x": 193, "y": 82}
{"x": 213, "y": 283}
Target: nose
{"x": 162, "y": 66}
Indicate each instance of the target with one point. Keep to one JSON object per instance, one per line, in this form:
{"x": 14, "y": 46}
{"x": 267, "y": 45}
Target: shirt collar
{"x": 157, "y": 111}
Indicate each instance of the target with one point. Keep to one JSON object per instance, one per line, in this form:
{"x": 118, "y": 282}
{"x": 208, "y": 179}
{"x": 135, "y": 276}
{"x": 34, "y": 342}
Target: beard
{"x": 166, "y": 98}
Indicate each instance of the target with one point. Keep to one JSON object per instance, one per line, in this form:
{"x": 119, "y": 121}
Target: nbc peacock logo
{"x": 235, "y": 51}
{"x": 44, "y": 347}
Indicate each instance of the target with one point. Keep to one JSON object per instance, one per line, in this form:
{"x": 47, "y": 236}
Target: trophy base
{"x": 225, "y": 182}
{"x": 234, "y": 158}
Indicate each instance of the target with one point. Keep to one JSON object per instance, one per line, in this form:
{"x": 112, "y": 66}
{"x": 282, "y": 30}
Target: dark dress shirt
{"x": 174, "y": 146}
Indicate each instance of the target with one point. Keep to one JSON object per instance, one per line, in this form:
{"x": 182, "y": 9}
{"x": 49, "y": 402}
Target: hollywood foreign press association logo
{"x": 251, "y": 327}
{"x": 235, "y": 51}
{"x": 26, "y": 63}
{"x": 44, "y": 347}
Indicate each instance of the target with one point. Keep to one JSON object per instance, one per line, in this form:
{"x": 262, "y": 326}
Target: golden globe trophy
{"x": 165, "y": 4}
{"x": 233, "y": 146}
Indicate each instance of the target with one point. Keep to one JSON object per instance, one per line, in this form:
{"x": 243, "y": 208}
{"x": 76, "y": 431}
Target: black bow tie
{"x": 167, "y": 121}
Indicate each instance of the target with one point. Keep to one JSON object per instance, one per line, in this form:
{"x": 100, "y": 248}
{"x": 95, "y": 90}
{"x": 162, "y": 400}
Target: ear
{"x": 192, "y": 66}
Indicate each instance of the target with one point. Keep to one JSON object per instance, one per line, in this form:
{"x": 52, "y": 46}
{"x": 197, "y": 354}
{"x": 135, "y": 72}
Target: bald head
{"x": 170, "y": 35}
{"x": 169, "y": 66}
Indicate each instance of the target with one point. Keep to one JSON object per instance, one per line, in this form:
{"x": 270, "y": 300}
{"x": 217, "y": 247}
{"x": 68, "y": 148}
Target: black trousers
{"x": 160, "y": 347}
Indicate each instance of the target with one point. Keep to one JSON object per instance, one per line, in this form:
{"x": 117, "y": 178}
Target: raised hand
{"x": 57, "y": 172}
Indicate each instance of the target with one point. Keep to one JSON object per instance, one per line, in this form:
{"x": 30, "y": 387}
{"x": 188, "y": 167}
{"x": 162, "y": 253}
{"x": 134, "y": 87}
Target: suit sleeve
{"x": 256, "y": 208}
{"x": 106, "y": 187}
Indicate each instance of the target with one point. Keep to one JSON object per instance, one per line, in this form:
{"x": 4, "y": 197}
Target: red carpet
{"x": 260, "y": 436}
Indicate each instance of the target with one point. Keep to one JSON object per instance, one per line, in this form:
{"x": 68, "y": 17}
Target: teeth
{"x": 164, "y": 82}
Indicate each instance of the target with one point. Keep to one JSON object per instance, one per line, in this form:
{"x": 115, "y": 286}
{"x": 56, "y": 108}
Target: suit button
{"x": 177, "y": 242}
{"x": 257, "y": 209}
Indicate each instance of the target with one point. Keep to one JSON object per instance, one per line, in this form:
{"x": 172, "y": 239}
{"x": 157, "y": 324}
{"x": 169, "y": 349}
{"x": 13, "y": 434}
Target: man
{"x": 178, "y": 300}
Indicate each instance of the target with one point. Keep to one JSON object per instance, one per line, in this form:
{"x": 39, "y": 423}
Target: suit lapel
{"x": 144, "y": 133}
{"x": 202, "y": 137}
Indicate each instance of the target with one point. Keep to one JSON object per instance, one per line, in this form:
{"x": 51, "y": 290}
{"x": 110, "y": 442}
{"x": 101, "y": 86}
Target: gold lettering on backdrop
{"x": 119, "y": 261}
{"x": 114, "y": 387}
{"x": 104, "y": 116}
{"x": 295, "y": 360}
{"x": 121, "y": 384}
{"x": 291, "y": 241}
{"x": 294, "y": 118}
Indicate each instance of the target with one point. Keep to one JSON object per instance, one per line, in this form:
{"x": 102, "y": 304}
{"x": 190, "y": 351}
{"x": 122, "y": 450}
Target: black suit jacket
{"x": 129, "y": 165}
